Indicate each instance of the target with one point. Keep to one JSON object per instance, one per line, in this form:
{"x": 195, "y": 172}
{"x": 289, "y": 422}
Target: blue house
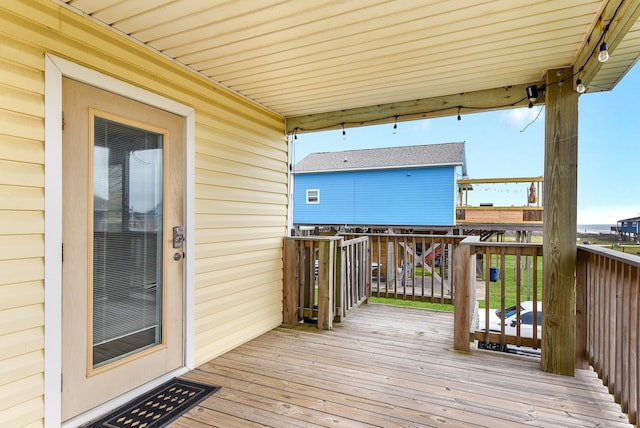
{"x": 393, "y": 186}
{"x": 628, "y": 228}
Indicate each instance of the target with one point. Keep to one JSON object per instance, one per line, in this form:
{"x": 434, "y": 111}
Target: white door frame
{"x": 55, "y": 69}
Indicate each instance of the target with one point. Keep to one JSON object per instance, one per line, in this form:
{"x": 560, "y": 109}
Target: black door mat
{"x": 157, "y": 408}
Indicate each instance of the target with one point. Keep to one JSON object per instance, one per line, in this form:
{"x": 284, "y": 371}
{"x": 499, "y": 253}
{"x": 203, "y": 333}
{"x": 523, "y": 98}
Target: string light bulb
{"x": 344, "y": 133}
{"x": 395, "y": 125}
{"x": 580, "y": 88}
{"x": 459, "y": 117}
{"x": 603, "y": 56}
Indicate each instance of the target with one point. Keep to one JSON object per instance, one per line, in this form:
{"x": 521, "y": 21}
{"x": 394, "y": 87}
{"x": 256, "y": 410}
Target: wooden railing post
{"x": 340, "y": 281}
{"x": 326, "y": 263}
{"x": 290, "y": 290}
{"x": 463, "y": 276}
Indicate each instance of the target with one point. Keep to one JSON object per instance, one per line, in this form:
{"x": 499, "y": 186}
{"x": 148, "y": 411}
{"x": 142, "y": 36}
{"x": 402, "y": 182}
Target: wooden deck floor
{"x": 390, "y": 367}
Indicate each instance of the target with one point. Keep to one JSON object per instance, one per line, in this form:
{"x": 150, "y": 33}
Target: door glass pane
{"x": 127, "y": 240}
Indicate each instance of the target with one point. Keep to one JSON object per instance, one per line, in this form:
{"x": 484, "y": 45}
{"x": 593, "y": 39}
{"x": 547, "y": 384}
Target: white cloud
{"x": 421, "y": 124}
{"x": 605, "y": 215}
{"x": 519, "y": 117}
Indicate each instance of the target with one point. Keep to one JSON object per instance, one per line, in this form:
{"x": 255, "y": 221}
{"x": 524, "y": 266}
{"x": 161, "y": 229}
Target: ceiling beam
{"x": 470, "y": 102}
{"x": 616, "y": 18}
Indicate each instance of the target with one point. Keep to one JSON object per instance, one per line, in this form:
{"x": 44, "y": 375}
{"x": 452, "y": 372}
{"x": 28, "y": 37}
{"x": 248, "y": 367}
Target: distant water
{"x": 595, "y": 228}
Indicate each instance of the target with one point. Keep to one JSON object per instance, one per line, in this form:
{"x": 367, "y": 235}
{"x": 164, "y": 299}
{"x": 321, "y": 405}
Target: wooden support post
{"x": 560, "y": 206}
{"x": 462, "y": 277}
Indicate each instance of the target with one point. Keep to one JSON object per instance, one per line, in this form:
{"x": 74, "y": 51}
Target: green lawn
{"x": 623, "y": 247}
{"x": 411, "y": 303}
{"x": 510, "y": 287}
{"x": 494, "y": 288}
{"x": 626, "y": 248}
{"x": 526, "y": 282}
{"x": 418, "y": 271}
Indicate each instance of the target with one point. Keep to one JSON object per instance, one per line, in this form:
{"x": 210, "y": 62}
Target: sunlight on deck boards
{"x": 390, "y": 367}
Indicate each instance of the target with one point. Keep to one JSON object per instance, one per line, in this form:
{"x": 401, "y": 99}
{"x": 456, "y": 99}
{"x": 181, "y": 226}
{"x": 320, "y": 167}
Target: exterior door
{"x": 122, "y": 269}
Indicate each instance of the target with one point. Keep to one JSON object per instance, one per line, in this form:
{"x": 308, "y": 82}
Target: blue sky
{"x": 497, "y": 146}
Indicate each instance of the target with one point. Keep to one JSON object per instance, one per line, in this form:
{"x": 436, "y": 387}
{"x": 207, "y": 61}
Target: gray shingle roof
{"x": 630, "y": 219}
{"x": 384, "y": 158}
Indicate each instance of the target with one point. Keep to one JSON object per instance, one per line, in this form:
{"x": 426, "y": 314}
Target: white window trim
{"x": 318, "y": 197}
{"x": 55, "y": 69}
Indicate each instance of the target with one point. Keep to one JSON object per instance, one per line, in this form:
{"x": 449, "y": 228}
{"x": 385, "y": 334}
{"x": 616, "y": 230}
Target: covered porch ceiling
{"x": 327, "y": 64}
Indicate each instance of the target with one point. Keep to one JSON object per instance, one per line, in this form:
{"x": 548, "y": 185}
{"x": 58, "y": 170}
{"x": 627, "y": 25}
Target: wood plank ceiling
{"x": 321, "y": 57}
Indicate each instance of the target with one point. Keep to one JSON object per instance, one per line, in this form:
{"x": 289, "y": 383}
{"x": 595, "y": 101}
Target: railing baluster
{"x": 434, "y": 253}
{"x": 423, "y": 265}
{"x": 607, "y": 326}
{"x": 618, "y": 369}
{"x": 534, "y": 290}
{"x": 378, "y": 264}
{"x": 394, "y": 256}
{"x": 625, "y": 336}
{"x": 444, "y": 268}
{"x": 634, "y": 401}
{"x": 518, "y": 284}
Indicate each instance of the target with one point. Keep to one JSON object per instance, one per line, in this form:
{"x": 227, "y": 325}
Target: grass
{"x": 625, "y": 248}
{"x": 418, "y": 271}
{"x": 411, "y": 303}
{"x": 612, "y": 244}
{"x": 510, "y": 283}
{"x": 494, "y": 288}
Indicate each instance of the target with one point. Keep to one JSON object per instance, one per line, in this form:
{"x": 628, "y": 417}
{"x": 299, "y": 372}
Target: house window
{"x": 313, "y": 196}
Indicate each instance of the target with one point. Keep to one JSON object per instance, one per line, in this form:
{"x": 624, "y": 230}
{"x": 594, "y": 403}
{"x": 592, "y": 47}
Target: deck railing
{"x": 510, "y": 273}
{"x": 354, "y": 286}
{"x": 608, "y": 320}
{"x": 526, "y": 208}
{"x": 607, "y": 308}
{"x": 324, "y": 278}
{"x": 412, "y": 266}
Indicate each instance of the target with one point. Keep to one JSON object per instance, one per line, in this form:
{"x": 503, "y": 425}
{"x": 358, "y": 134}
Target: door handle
{"x": 178, "y": 236}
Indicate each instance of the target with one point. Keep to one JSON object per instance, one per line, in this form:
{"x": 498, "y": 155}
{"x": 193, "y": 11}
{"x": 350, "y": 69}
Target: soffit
{"x": 310, "y": 57}
{"x": 626, "y": 55}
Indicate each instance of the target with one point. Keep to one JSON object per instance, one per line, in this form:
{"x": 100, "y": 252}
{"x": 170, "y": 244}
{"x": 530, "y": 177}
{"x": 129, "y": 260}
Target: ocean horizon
{"x": 595, "y": 228}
